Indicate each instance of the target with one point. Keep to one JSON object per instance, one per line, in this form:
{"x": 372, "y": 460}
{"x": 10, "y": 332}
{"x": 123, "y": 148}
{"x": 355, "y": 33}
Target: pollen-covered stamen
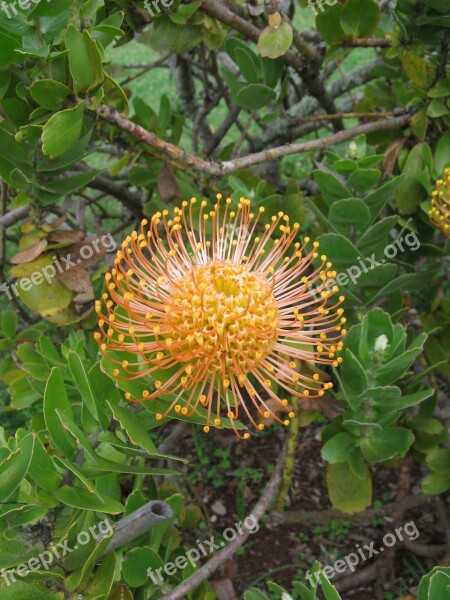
{"x": 440, "y": 204}
{"x": 207, "y": 303}
{"x": 222, "y": 310}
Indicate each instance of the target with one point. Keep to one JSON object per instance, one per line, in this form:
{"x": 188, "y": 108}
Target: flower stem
{"x": 290, "y": 457}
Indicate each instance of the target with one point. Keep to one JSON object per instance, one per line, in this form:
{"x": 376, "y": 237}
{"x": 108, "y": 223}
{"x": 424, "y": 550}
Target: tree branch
{"x": 220, "y": 168}
{"x": 325, "y": 516}
{"x": 305, "y": 65}
{"x": 15, "y": 215}
{"x": 140, "y": 521}
{"x": 366, "y": 43}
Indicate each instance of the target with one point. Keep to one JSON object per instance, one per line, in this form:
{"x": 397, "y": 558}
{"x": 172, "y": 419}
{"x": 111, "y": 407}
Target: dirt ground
{"x": 225, "y": 478}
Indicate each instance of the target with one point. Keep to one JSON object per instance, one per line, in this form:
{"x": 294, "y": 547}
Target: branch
{"x": 306, "y": 65}
{"x": 220, "y": 168}
{"x": 222, "y": 131}
{"x": 140, "y": 521}
{"x": 366, "y": 43}
{"x": 15, "y": 215}
{"x": 206, "y": 570}
{"x": 325, "y": 516}
{"x": 122, "y": 193}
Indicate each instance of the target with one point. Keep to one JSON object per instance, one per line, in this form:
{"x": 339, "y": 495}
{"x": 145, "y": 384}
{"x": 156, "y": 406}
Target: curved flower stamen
{"x": 440, "y": 204}
{"x": 222, "y": 315}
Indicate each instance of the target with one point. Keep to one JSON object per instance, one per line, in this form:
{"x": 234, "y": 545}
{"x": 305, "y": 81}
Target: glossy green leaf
{"x": 338, "y": 448}
{"x": 360, "y": 17}
{"x": 55, "y": 397}
{"x": 85, "y": 62}
{"x": 383, "y": 445}
{"x": 9, "y": 323}
{"x": 49, "y": 93}
{"x": 62, "y": 131}
{"x": 15, "y": 466}
{"x": 138, "y": 561}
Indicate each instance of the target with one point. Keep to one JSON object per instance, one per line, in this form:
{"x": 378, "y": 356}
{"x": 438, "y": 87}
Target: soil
{"x": 216, "y": 483}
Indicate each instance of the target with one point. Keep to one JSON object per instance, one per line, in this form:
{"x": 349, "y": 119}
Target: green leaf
{"x": 80, "y": 377}
{"x": 15, "y": 466}
{"x": 360, "y": 17}
{"x": 437, "y": 109}
{"x": 439, "y": 461}
{"x": 442, "y": 153}
{"x": 435, "y": 585}
{"x": 378, "y": 199}
{"x": 275, "y": 41}
{"x": 55, "y": 397}
{"x": 348, "y": 493}
{"x": 42, "y": 468}
{"x": 348, "y": 215}
{"x": 332, "y": 187}
{"x": 136, "y": 564}
{"x": 436, "y": 484}
{"x": 363, "y": 179}
{"x": 329, "y": 590}
{"x": 338, "y": 448}
{"x": 85, "y": 62}
{"x": 416, "y": 68}
{"x": 426, "y": 425}
{"x": 86, "y": 500}
{"x": 383, "y": 445}
{"x": 49, "y": 93}
{"x": 62, "y": 131}
{"x": 254, "y": 594}
{"x": 32, "y": 361}
{"x": 29, "y": 591}
{"x": 9, "y": 323}
{"x": 255, "y": 96}
{"x": 328, "y": 23}
{"x": 339, "y": 250}
{"x": 184, "y": 13}
{"x": 103, "y": 579}
{"x": 130, "y": 423}
{"x": 248, "y": 64}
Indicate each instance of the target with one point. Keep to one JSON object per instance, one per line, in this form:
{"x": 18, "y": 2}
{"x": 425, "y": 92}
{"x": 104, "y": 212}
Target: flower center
{"x": 222, "y": 316}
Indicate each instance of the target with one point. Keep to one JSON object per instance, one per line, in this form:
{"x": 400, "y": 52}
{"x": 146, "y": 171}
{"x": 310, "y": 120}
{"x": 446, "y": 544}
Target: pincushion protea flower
{"x": 440, "y": 204}
{"x": 228, "y": 312}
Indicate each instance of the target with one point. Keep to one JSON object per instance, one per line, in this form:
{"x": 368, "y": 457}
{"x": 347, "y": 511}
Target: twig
{"x": 140, "y": 521}
{"x": 366, "y": 43}
{"x": 145, "y": 69}
{"x": 15, "y": 215}
{"x": 104, "y": 184}
{"x": 223, "y": 555}
{"x": 288, "y": 468}
{"x": 420, "y": 549}
{"x": 348, "y": 115}
{"x": 309, "y": 76}
{"x": 219, "y": 168}
{"x": 325, "y": 516}
{"x": 222, "y": 131}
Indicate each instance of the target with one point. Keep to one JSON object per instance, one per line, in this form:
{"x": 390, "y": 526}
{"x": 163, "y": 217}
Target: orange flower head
{"x": 440, "y": 204}
{"x": 227, "y": 313}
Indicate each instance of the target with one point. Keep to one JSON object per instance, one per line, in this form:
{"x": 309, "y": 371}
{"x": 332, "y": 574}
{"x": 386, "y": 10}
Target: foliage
{"x": 338, "y": 116}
